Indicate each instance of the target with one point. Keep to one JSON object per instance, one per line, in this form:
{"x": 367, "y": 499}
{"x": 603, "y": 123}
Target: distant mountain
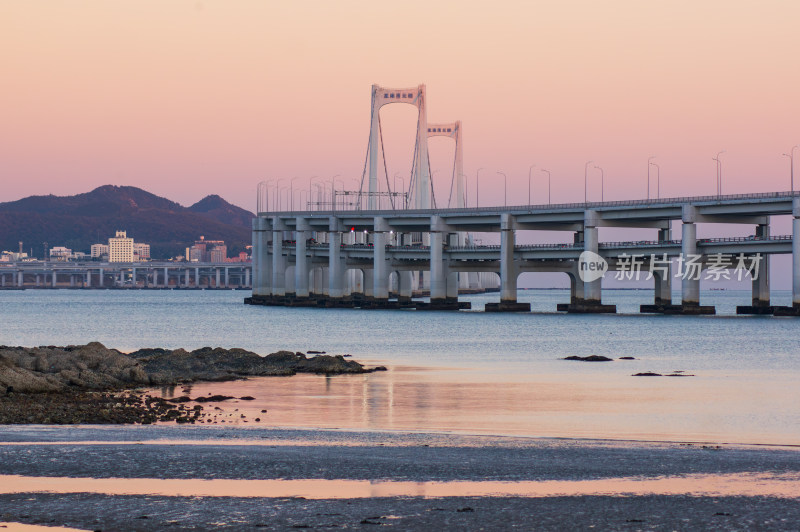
{"x": 220, "y": 210}
{"x": 79, "y": 221}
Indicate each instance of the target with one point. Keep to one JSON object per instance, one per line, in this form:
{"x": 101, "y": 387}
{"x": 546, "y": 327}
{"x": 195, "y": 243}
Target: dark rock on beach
{"x": 90, "y": 383}
{"x": 218, "y": 364}
{"x": 590, "y": 358}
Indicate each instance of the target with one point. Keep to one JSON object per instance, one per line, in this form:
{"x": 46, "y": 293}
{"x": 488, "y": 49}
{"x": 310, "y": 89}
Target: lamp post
{"x": 658, "y": 180}
{"x": 529, "y": 182}
{"x": 477, "y": 188}
{"x": 586, "y": 181}
{"x": 548, "y": 185}
{"x": 648, "y": 174}
{"x": 790, "y": 155}
{"x": 333, "y": 188}
{"x": 505, "y": 189}
{"x": 311, "y": 184}
{"x": 602, "y": 183}
{"x": 277, "y": 200}
{"x": 291, "y": 192}
{"x": 719, "y": 172}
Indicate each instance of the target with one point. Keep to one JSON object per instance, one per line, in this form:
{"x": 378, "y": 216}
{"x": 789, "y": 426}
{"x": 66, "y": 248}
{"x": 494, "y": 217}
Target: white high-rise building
{"x": 98, "y": 250}
{"x": 141, "y": 251}
{"x": 120, "y": 248}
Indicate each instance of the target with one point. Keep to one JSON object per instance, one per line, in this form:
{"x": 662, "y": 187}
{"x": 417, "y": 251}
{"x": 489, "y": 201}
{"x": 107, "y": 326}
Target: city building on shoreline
{"x": 120, "y": 248}
{"x": 207, "y": 251}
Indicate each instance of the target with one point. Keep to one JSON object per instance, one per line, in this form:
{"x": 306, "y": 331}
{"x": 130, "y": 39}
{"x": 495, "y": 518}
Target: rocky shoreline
{"x": 94, "y": 384}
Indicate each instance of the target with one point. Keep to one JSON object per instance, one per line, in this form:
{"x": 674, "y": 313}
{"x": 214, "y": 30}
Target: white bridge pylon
{"x": 420, "y": 184}
{"x": 457, "y": 186}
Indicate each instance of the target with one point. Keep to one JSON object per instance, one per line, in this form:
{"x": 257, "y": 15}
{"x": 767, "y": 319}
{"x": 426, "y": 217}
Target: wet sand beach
{"x": 152, "y": 477}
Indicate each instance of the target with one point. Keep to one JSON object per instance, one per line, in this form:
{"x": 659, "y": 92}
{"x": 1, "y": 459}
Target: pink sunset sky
{"x": 190, "y": 98}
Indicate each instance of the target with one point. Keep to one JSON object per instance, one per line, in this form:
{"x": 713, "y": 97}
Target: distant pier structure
{"x": 108, "y": 275}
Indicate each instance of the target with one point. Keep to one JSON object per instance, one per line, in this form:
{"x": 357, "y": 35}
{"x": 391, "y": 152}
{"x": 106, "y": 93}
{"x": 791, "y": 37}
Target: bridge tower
{"x": 458, "y": 191}
{"x": 420, "y": 174}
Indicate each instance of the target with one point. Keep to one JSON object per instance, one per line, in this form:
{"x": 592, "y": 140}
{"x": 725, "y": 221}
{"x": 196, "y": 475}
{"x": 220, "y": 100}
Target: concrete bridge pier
{"x": 166, "y": 277}
{"x": 761, "y": 296}
{"x": 796, "y": 256}
{"x": 217, "y": 277}
{"x": 439, "y": 271}
{"x": 592, "y": 290}
{"x": 690, "y": 282}
{"x": 336, "y": 269}
{"x": 379, "y": 284}
{"x": 794, "y": 310}
{"x": 662, "y": 281}
{"x": 405, "y": 280}
{"x": 186, "y": 278}
{"x": 227, "y": 277}
{"x": 509, "y": 271}
{"x": 278, "y": 260}
{"x": 301, "y": 272}
{"x": 88, "y": 279}
{"x": 19, "y": 279}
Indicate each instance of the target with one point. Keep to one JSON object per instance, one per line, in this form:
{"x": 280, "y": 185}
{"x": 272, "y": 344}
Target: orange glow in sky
{"x": 189, "y": 98}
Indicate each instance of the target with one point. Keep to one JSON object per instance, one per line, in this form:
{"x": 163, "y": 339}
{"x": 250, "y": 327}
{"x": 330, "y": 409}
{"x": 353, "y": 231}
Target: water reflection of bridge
{"x": 302, "y": 258}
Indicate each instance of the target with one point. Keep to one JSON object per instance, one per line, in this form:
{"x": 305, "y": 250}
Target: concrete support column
{"x": 335, "y": 270}
{"x": 186, "y": 277}
{"x": 404, "y": 282}
{"x": 3, "y": 280}
{"x": 19, "y": 278}
{"x": 592, "y": 291}
{"x": 575, "y": 289}
{"x": 380, "y": 270}
{"x": 438, "y": 277}
{"x": 133, "y": 277}
{"x": 301, "y": 264}
{"x": 690, "y": 287}
{"x": 761, "y": 282}
{"x": 55, "y": 278}
{"x": 88, "y": 279}
{"x": 508, "y": 269}
{"x": 166, "y": 277}
{"x": 217, "y": 277}
{"x": 247, "y": 276}
{"x": 796, "y": 254}
{"x": 227, "y": 277}
{"x": 197, "y": 277}
{"x": 368, "y": 285}
{"x": 71, "y": 281}
{"x": 663, "y": 280}
{"x": 278, "y": 260}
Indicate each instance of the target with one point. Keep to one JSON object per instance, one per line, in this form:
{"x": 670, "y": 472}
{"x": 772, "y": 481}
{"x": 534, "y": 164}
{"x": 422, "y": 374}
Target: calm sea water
{"x": 471, "y": 371}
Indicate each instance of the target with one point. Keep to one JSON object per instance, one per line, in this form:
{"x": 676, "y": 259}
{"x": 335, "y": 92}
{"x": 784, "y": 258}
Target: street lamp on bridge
{"x": 548, "y": 185}
{"x": 658, "y": 180}
{"x": 648, "y": 174}
{"x": 586, "y": 181}
{"x": 719, "y": 172}
{"x": 505, "y": 189}
{"x": 602, "y": 183}
{"x": 790, "y": 155}
{"x": 477, "y": 189}
{"x": 529, "y": 182}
